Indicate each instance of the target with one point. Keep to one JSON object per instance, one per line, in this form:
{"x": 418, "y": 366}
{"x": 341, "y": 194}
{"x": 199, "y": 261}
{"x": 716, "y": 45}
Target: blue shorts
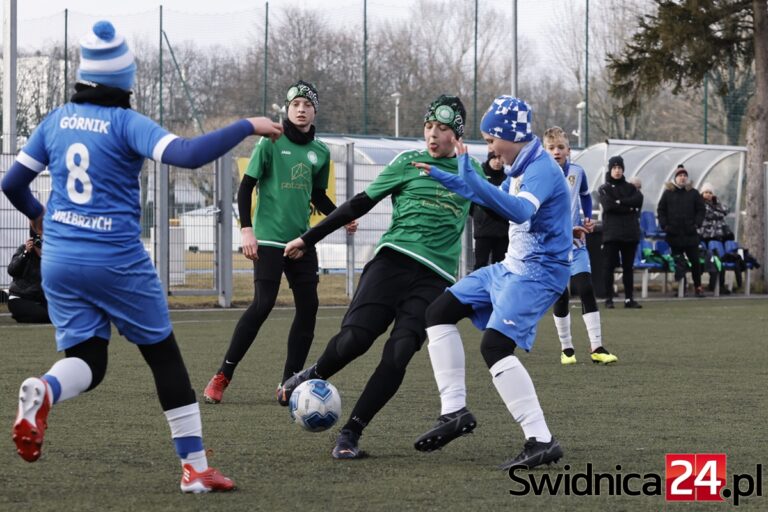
{"x": 83, "y": 301}
{"x": 580, "y": 262}
{"x": 510, "y": 303}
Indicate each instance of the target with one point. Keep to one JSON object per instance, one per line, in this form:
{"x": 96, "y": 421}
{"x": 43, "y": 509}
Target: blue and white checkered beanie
{"x": 508, "y": 118}
{"x": 105, "y": 58}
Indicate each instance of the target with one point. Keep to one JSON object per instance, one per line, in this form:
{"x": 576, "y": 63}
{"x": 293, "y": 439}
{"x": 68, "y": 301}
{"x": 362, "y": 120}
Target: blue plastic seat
{"x": 649, "y": 226}
{"x": 646, "y": 266}
{"x": 732, "y": 247}
{"x": 662, "y": 247}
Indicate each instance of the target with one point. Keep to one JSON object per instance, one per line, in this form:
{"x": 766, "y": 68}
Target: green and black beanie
{"x": 448, "y": 110}
{"x": 302, "y": 89}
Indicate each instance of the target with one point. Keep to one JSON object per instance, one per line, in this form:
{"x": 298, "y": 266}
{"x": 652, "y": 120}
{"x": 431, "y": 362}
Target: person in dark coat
{"x": 26, "y": 300}
{"x": 621, "y": 203}
{"x": 681, "y": 214}
{"x": 489, "y": 228}
{"x": 715, "y": 227}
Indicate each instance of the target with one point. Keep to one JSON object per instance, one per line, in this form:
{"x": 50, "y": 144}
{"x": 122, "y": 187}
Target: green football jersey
{"x": 427, "y": 218}
{"x": 287, "y": 173}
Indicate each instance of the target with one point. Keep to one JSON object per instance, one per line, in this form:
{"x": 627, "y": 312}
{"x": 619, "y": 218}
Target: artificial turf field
{"x": 691, "y": 378}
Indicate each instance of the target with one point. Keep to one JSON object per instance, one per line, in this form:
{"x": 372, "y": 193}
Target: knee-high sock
{"x": 68, "y": 378}
{"x": 187, "y": 434}
{"x": 447, "y": 355}
{"x": 563, "y": 326}
{"x": 594, "y": 331}
{"x": 516, "y": 389}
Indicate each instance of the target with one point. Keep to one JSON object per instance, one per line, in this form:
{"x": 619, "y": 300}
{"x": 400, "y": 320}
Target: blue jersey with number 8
{"x": 95, "y": 155}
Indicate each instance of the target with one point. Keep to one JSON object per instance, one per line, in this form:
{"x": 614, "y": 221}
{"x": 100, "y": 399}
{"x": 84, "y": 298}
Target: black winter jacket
{"x": 27, "y": 279}
{"x": 485, "y": 222}
{"x": 621, "y": 203}
{"x": 681, "y": 213}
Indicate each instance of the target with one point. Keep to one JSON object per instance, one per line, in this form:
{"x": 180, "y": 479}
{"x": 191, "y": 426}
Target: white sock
{"x": 516, "y": 389}
{"x": 73, "y": 375}
{"x": 187, "y": 434}
{"x": 563, "y": 326}
{"x": 447, "y": 355}
{"x": 594, "y": 331}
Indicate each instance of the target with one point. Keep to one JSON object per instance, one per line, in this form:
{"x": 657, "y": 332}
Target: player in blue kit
{"x": 506, "y": 300}
{"x": 556, "y": 143}
{"x": 95, "y": 269}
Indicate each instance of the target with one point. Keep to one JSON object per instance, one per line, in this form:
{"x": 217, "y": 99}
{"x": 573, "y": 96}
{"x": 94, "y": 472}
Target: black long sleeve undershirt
{"x": 319, "y": 198}
{"x": 355, "y": 208}
{"x": 244, "y": 194}
{"x": 322, "y": 202}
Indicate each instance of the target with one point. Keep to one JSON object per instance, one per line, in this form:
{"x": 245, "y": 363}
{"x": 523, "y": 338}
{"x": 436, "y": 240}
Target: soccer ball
{"x": 315, "y": 405}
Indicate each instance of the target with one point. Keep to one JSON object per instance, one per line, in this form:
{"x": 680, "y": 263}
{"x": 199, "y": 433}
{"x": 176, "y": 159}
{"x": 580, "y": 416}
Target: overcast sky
{"x": 220, "y": 22}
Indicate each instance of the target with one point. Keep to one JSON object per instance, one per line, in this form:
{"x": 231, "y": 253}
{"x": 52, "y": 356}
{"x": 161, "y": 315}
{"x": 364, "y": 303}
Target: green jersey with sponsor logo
{"x": 427, "y": 218}
{"x": 287, "y": 173}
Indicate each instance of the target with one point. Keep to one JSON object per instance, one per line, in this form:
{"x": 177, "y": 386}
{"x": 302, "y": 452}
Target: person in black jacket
{"x": 621, "y": 203}
{"x": 26, "y": 300}
{"x": 489, "y": 228}
{"x": 681, "y": 214}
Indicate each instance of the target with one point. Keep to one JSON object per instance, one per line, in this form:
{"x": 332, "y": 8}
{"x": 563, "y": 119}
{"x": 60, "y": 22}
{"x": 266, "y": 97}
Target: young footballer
{"x": 95, "y": 269}
{"x": 506, "y": 300}
{"x": 556, "y": 143}
{"x": 290, "y": 173}
{"x": 416, "y": 259}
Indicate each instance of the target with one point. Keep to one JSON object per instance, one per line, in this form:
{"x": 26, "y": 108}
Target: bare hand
{"x": 249, "y": 244}
{"x": 351, "y": 227}
{"x": 589, "y": 225}
{"x": 421, "y": 165}
{"x": 295, "y": 249}
{"x": 461, "y": 148}
{"x": 579, "y": 234}
{"x": 266, "y": 127}
{"x": 28, "y": 245}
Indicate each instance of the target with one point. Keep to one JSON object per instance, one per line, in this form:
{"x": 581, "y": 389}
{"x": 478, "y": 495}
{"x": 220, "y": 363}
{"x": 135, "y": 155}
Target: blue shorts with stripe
{"x": 83, "y": 302}
{"x": 508, "y": 302}
{"x": 580, "y": 262}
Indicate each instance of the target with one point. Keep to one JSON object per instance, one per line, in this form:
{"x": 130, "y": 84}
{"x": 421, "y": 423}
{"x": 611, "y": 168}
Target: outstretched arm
{"x": 325, "y": 206}
{"x": 345, "y": 214}
{"x": 469, "y": 185}
{"x": 198, "y": 151}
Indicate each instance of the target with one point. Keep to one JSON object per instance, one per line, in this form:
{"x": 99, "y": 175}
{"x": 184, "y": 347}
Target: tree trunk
{"x": 757, "y": 144}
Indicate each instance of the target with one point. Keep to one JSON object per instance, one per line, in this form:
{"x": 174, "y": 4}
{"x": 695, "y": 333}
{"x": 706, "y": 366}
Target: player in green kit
{"x": 290, "y": 173}
{"x": 416, "y": 259}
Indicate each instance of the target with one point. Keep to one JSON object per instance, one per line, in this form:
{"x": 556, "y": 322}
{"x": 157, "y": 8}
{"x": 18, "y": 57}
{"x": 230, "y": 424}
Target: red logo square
{"x": 695, "y": 476}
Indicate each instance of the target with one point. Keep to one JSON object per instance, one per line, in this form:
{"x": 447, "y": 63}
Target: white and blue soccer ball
{"x": 315, "y": 405}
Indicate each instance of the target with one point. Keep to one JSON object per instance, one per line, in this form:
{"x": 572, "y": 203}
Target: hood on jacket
{"x": 670, "y": 185}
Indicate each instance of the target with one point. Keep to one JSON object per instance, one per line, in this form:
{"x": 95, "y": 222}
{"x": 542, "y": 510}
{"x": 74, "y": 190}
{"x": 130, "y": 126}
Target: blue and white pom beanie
{"x": 508, "y": 118}
{"x": 105, "y": 58}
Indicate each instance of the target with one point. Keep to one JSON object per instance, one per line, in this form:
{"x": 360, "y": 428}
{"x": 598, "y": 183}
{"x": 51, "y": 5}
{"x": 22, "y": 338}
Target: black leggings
{"x": 299, "y": 337}
{"x": 581, "y": 284}
{"x": 393, "y": 288}
{"x": 164, "y": 359}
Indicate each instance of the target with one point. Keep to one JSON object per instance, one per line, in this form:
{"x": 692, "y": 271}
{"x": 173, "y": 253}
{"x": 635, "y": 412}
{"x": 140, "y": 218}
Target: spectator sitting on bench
{"x": 714, "y": 227}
